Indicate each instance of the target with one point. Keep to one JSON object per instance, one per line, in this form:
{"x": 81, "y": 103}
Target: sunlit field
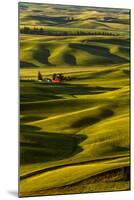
{"x": 74, "y": 134}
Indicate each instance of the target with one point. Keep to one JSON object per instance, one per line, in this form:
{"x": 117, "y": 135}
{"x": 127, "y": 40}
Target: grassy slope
{"x": 36, "y": 51}
{"x": 79, "y": 129}
{"x": 95, "y": 122}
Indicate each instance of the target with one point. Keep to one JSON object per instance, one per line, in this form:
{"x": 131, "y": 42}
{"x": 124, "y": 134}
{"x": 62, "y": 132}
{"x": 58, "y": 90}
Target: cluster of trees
{"x": 43, "y": 31}
{"x": 55, "y": 76}
{"x": 60, "y": 77}
{"x": 70, "y": 19}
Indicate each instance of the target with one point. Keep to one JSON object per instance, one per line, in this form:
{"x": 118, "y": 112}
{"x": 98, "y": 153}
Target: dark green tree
{"x": 40, "y": 76}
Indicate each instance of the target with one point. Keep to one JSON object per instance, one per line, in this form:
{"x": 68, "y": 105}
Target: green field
{"x": 74, "y": 135}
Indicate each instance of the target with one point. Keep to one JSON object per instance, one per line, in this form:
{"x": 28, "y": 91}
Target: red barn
{"x": 56, "y": 81}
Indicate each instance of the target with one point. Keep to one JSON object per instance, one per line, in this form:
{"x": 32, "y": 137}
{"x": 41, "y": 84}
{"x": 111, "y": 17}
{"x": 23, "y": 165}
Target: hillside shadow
{"x": 42, "y": 54}
{"x": 91, "y": 49}
{"x": 100, "y": 52}
{"x": 30, "y": 118}
{"x": 126, "y": 72}
{"x": 114, "y": 20}
{"x": 83, "y": 122}
{"x": 27, "y": 64}
{"x": 116, "y": 41}
{"x": 50, "y": 20}
{"x": 96, "y": 74}
{"x": 70, "y": 59}
{"x": 74, "y": 89}
{"x": 37, "y": 146}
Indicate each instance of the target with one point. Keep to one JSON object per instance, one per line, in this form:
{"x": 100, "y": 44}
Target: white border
{"x": 9, "y": 99}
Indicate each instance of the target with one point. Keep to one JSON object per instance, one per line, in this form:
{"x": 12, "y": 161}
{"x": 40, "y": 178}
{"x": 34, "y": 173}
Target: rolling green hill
{"x": 74, "y": 51}
{"x": 74, "y": 136}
